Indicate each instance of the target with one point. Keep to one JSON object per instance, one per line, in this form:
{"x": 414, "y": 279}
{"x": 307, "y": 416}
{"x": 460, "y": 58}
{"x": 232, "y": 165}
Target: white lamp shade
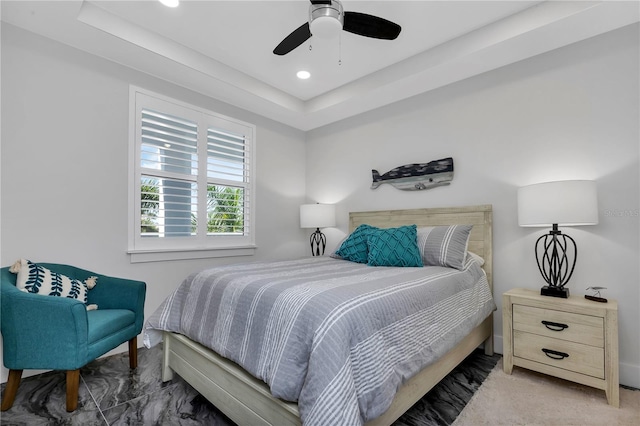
{"x": 566, "y": 203}
{"x": 317, "y": 215}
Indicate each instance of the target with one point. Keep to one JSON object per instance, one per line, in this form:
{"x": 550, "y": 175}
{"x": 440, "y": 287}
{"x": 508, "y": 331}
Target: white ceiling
{"x": 224, "y": 48}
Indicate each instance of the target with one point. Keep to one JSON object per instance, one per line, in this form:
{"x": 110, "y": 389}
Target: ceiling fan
{"x": 328, "y": 17}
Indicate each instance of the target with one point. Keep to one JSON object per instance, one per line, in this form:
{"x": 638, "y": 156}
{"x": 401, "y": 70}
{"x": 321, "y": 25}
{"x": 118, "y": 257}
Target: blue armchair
{"x": 58, "y": 333}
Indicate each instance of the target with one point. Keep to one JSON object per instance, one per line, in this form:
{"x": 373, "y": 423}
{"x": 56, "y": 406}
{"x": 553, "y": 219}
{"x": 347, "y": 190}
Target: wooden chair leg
{"x": 133, "y": 352}
{"x": 11, "y": 389}
{"x": 73, "y": 384}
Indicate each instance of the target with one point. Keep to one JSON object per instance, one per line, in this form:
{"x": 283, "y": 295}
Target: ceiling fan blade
{"x": 370, "y": 26}
{"x": 293, "y": 40}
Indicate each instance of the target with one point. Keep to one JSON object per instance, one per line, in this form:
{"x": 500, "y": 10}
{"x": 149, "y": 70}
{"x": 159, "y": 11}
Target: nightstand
{"x": 573, "y": 339}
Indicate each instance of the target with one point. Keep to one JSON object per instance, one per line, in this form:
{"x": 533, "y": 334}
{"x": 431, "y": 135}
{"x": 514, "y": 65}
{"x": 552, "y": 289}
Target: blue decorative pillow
{"x": 33, "y": 278}
{"x": 394, "y": 247}
{"x": 354, "y": 248}
{"x": 444, "y": 245}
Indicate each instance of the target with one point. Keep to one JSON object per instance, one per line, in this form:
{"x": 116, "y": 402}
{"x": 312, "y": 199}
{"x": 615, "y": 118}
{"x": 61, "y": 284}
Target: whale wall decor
{"x": 416, "y": 177}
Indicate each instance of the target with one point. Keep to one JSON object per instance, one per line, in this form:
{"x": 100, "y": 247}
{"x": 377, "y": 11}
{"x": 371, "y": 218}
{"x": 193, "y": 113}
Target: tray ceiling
{"x": 224, "y": 48}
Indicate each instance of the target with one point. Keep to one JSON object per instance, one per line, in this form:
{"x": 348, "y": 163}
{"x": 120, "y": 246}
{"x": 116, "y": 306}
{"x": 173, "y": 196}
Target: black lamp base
{"x": 555, "y": 291}
{"x": 317, "y": 240}
{"x": 556, "y": 255}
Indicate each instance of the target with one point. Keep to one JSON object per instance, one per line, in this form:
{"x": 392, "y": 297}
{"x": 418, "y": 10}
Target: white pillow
{"x": 476, "y": 257}
{"x": 33, "y": 278}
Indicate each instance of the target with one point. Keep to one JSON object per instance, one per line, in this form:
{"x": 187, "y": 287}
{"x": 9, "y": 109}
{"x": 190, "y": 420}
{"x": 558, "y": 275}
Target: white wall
{"x": 64, "y": 166}
{"x": 568, "y": 114}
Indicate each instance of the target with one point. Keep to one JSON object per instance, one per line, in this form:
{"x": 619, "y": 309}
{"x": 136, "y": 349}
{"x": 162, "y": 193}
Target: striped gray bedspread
{"x": 337, "y": 337}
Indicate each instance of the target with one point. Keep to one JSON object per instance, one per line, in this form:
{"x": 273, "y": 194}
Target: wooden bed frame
{"x": 248, "y": 401}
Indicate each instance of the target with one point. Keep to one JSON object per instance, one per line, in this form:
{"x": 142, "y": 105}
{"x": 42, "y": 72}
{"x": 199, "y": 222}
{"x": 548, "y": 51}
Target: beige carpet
{"x": 528, "y": 398}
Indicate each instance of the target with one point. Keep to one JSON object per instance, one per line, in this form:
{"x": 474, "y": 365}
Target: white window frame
{"x": 149, "y": 249}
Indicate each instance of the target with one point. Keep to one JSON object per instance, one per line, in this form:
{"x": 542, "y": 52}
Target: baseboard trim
{"x": 630, "y": 375}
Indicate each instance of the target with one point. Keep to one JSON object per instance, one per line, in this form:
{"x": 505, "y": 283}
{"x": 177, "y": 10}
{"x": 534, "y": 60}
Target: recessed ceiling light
{"x": 303, "y": 75}
{"x": 170, "y": 3}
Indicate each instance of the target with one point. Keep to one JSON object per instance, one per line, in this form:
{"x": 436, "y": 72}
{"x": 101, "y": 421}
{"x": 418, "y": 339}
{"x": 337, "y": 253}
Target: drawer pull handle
{"x": 554, "y": 354}
{"x": 554, "y": 326}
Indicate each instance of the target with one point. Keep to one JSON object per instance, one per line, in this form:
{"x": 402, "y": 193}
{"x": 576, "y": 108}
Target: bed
{"x": 248, "y": 400}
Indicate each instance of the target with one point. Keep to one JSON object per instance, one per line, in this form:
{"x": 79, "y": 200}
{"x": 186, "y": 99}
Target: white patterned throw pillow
{"x": 34, "y": 278}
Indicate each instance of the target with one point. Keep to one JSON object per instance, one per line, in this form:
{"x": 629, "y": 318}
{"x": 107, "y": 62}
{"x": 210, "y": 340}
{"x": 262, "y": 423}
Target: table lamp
{"x": 317, "y": 216}
{"x": 560, "y": 203}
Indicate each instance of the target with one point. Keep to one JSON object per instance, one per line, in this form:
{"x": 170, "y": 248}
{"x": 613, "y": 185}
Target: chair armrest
{"x": 119, "y": 293}
{"x": 42, "y": 332}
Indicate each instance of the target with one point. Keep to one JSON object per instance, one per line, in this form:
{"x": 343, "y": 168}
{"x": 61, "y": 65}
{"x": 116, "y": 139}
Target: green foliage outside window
{"x": 225, "y": 212}
{"x": 150, "y": 201}
{"x": 225, "y": 209}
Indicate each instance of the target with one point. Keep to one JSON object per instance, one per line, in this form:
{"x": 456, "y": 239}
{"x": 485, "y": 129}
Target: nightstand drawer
{"x": 583, "y": 359}
{"x": 573, "y": 327}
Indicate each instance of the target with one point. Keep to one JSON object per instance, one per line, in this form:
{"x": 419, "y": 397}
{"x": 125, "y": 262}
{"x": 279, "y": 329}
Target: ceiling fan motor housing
{"x": 326, "y": 20}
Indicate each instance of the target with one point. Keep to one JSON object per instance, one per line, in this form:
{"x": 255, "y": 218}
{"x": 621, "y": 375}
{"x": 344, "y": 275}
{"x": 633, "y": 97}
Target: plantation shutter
{"x": 169, "y": 164}
{"x": 192, "y": 187}
{"x": 227, "y": 179}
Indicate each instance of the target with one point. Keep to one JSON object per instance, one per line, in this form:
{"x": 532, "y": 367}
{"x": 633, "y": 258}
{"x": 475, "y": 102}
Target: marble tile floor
{"x": 111, "y": 394}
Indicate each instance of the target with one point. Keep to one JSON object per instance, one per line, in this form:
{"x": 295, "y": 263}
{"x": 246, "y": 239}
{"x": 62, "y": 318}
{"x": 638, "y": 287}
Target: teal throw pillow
{"x": 394, "y": 247}
{"x": 354, "y": 248}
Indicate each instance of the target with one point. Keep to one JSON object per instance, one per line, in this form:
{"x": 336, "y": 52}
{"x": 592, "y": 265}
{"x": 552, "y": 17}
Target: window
{"x": 191, "y": 186}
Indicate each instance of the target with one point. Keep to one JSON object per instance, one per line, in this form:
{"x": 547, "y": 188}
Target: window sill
{"x": 142, "y": 256}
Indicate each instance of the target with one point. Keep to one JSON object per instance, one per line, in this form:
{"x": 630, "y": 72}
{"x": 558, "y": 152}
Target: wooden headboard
{"x": 481, "y": 217}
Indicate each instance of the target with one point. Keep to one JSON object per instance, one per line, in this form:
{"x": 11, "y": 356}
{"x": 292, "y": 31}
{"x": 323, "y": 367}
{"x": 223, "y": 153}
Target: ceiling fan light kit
{"x": 327, "y": 18}
{"x": 325, "y": 27}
